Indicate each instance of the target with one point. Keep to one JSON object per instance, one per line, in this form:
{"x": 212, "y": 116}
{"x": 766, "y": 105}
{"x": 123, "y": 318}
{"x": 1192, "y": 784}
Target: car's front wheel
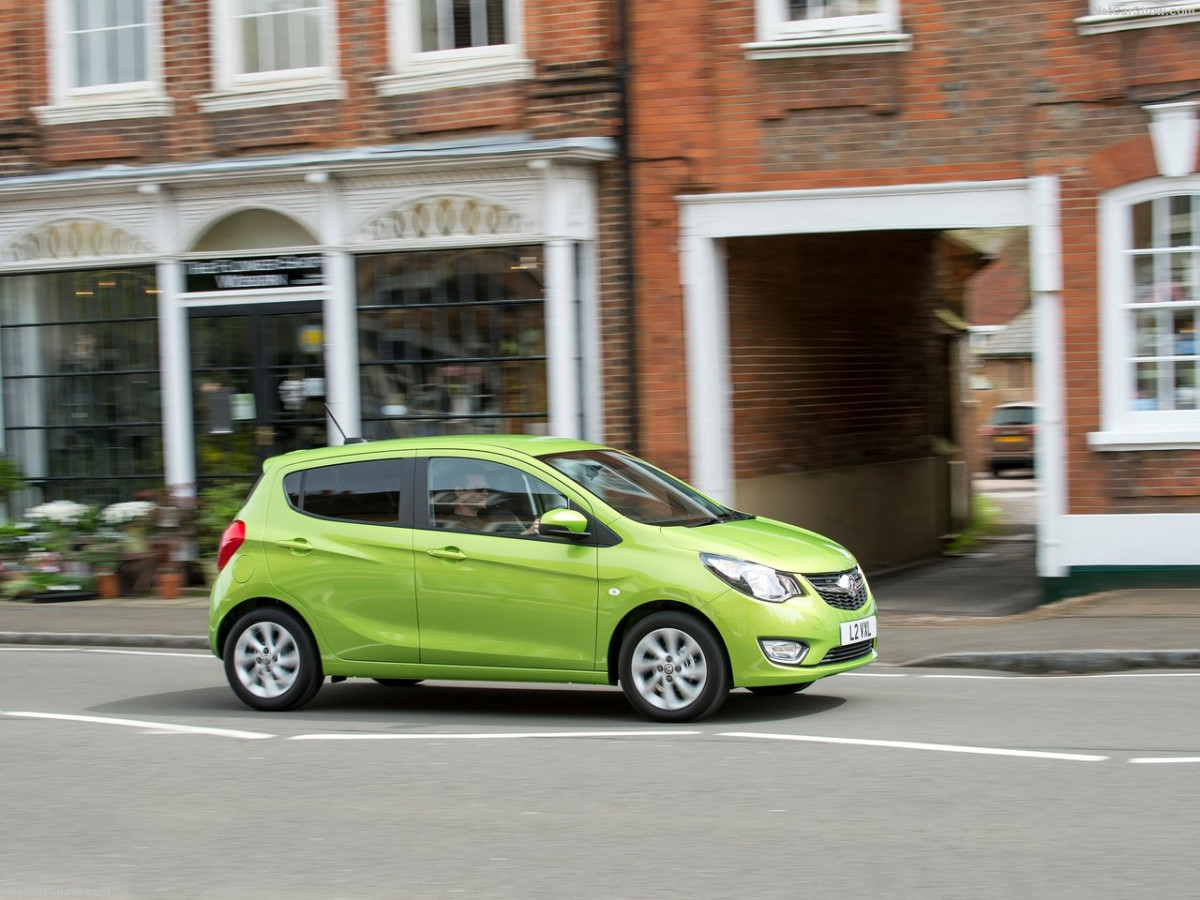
{"x": 672, "y": 668}
{"x": 271, "y": 660}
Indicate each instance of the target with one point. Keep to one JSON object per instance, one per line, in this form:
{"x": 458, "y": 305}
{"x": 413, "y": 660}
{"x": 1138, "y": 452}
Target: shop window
{"x": 827, "y": 27}
{"x": 1151, "y": 309}
{"x": 273, "y": 53}
{"x": 453, "y": 43}
{"x": 105, "y": 61}
{"x": 452, "y": 341}
{"x": 80, "y": 367}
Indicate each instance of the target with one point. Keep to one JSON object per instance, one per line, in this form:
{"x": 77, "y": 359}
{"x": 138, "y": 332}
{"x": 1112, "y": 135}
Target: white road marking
{"x": 154, "y": 727}
{"x": 912, "y": 745}
{"x": 1052, "y": 678}
{"x": 1166, "y": 759}
{"x": 149, "y": 653}
{"x": 486, "y": 736}
{"x": 877, "y": 674}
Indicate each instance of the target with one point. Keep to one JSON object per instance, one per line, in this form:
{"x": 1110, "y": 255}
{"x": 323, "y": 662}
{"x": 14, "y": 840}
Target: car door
{"x": 495, "y": 596}
{"x": 334, "y": 543}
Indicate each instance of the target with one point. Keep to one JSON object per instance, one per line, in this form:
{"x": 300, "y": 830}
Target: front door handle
{"x": 448, "y": 553}
{"x": 299, "y": 545}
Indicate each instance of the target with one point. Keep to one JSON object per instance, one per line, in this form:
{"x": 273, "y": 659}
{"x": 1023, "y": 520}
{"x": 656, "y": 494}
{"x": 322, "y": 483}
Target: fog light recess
{"x": 783, "y": 651}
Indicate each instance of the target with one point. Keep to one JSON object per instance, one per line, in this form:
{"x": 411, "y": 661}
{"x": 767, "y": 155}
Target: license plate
{"x": 1010, "y": 438}
{"x": 859, "y": 630}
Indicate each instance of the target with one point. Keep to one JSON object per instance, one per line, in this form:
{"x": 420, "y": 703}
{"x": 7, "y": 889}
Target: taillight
{"x": 232, "y": 539}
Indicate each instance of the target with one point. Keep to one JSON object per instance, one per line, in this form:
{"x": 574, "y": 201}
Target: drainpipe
{"x": 628, "y": 245}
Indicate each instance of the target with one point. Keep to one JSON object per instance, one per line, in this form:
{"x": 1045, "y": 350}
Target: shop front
{"x": 175, "y": 327}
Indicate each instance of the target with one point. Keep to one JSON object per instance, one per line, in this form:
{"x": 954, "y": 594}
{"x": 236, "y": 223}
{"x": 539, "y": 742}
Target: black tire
{"x": 672, "y": 668}
{"x": 778, "y": 690}
{"x": 271, "y": 660}
{"x": 398, "y": 682}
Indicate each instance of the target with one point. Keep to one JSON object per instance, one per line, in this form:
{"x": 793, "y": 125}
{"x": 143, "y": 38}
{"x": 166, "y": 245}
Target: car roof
{"x": 524, "y": 444}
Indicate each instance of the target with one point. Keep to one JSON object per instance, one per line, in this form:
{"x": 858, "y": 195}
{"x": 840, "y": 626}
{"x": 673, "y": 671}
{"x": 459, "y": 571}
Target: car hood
{"x": 766, "y": 541}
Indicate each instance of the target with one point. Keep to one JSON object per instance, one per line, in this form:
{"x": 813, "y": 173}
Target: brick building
{"x": 809, "y": 163}
{"x": 216, "y": 217}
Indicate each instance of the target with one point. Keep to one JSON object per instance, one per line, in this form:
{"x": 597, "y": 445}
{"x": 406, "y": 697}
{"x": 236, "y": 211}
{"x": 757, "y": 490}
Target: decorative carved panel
{"x": 69, "y": 239}
{"x": 442, "y": 216}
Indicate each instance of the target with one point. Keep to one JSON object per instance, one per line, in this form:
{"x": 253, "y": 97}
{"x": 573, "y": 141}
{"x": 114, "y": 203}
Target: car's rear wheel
{"x": 672, "y": 668}
{"x": 271, "y": 660}
{"x": 778, "y": 690}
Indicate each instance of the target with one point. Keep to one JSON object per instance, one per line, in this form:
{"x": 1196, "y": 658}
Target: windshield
{"x": 637, "y": 490}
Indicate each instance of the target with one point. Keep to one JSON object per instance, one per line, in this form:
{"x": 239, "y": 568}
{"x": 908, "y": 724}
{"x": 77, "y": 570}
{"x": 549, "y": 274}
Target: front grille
{"x": 841, "y": 590}
{"x": 847, "y": 652}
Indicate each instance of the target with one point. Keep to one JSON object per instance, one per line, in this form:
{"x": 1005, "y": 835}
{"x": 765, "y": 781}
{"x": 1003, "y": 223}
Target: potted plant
{"x": 104, "y": 557}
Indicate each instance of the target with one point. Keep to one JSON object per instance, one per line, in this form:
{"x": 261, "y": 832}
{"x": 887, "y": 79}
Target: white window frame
{"x": 1105, "y": 16}
{"x": 70, "y": 102}
{"x": 1122, "y": 426}
{"x": 236, "y": 89}
{"x": 415, "y": 70}
{"x": 778, "y": 35}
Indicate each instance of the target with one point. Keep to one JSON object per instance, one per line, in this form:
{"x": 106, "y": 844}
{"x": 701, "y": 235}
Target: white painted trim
{"x": 1132, "y": 540}
{"x": 227, "y": 49}
{"x": 562, "y": 339}
{"x": 414, "y": 70}
{"x": 151, "y": 106}
{"x": 126, "y": 95}
{"x": 1133, "y": 20}
{"x": 175, "y": 378}
{"x": 341, "y": 331}
{"x": 283, "y": 93}
{"x": 419, "y": 79}
{"x": 1049, "y": 371}
{"x": 841, "y": 45}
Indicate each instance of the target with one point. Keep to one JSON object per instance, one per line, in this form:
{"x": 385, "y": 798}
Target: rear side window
{"x": 367, "y": 491}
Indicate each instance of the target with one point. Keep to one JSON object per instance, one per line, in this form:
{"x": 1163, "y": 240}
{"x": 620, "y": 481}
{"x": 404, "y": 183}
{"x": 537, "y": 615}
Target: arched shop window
{"x": 452, "y": 341}
{"x": 82, "y": 406}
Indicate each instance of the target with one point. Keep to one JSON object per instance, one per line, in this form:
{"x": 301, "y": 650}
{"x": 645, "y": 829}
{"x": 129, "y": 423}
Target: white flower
{"x": 60, "y": 512}
{"x": 124, "y": 513}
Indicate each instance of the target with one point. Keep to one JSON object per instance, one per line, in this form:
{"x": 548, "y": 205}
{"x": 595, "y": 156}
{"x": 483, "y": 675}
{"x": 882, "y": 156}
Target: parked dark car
{"x": 1009, "y": 437}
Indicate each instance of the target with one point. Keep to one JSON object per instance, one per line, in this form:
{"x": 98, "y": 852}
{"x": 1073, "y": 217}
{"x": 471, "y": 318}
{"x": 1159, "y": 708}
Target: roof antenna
{"x": 345, "y": 440}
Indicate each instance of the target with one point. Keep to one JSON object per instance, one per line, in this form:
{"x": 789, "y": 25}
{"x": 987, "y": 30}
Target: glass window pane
{"x": 1147, "y": 387}
{"x": 1185, "y": 386}
{"x": 461, "y": 24}
{"x": 1180, "y": 222}
{"x": 1147, "y": 334}
{"x": 497, "y": 29}
{"x": 1184, "y": 332}
{"x": 1143, "y": 225}
{"x": 429, "y": 26}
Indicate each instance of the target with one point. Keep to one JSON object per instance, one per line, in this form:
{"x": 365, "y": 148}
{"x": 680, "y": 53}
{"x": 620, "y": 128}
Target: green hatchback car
{"x": 521, "y": 558}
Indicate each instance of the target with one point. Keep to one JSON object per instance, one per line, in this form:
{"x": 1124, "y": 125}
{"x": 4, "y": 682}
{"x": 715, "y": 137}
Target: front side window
{"x": 492, "y": 498}
{"x": 82, "y": 402}
{"x": 1163, "y": 307}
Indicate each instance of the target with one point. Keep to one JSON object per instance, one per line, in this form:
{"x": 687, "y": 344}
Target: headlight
{"x": 760, "y": 582}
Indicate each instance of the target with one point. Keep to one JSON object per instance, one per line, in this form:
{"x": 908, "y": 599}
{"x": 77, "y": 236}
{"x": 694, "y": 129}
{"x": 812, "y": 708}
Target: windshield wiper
{"x": 728, "y": 515}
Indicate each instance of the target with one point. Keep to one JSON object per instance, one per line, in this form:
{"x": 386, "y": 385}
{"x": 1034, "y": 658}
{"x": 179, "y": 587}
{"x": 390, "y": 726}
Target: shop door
{"x": 258, "y": 386}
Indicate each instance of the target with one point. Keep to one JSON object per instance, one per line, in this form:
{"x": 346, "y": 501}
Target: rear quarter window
{"x": 367, "y": 491}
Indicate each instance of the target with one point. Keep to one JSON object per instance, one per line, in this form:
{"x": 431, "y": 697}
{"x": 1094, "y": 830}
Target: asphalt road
{"x": 135, "y": 774}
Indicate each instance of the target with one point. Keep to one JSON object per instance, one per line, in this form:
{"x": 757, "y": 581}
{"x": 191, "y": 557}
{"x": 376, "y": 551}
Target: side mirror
{"x": 563, "y": 523}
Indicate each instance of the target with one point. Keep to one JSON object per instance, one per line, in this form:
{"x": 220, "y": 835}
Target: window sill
{"x": 1134, "y": 19}
{"x": 273, "y": 95}
{"x": 435, "y": 77}
{"x": 102, "y": 111}
{"x": 1182, "y": 438}
{"x": 835, "y": 45}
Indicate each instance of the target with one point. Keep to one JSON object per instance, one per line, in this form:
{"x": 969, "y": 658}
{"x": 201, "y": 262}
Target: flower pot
{"x": 108, "y": 585}
{"x": 168, "y": 584}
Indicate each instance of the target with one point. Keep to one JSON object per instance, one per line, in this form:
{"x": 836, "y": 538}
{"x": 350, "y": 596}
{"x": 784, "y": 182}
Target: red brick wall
{"x": 987, "y": 92}
{"x": 574, "y": 93}
{"x": 833, "y": 360}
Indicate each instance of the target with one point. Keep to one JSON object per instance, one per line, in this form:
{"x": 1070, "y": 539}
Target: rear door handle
{"x": 448, "y": 553}
{"x": 299, "y": 545}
